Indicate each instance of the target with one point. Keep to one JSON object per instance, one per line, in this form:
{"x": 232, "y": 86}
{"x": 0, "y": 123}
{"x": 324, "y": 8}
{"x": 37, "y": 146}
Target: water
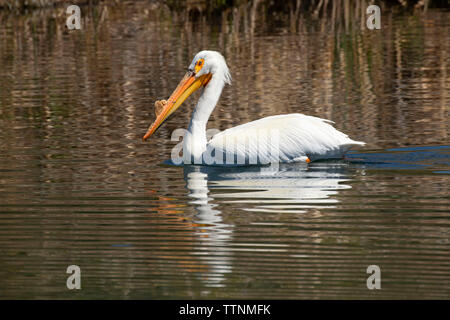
{"x": 77, "y": 185}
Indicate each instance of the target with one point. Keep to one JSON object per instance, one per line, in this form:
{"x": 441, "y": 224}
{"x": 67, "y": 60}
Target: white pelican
{"x": 300, "y": 138}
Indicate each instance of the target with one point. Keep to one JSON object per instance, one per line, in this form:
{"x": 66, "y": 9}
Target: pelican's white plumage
{"x": 299, "y": 137}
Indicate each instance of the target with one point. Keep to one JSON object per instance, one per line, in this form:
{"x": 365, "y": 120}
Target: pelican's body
{"x": 301, "y": 137}
{"x": 291, "y": 137}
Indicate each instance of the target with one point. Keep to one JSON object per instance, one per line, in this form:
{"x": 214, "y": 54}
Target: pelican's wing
{"x": 293, "y": 136}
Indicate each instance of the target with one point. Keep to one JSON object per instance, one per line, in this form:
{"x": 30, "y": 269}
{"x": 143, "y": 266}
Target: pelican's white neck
{"x": 195, "y": 140}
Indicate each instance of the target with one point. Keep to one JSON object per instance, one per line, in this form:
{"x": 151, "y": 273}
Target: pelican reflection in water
{"x": 294, "y": 188}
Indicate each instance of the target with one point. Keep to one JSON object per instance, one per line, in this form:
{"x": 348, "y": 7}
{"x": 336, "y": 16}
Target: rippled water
{"x": 77, "y": 185}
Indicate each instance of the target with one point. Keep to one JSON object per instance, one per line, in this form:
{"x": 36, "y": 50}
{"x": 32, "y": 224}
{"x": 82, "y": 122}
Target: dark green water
{"x": 77, "y": 185}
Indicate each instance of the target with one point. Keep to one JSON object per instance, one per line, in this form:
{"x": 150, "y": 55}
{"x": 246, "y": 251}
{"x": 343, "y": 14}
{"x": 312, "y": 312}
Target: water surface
{"x": 77, "y": 185}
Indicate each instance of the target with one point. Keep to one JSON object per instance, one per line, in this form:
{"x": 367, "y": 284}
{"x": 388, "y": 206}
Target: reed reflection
{"x": 293, "y": 187}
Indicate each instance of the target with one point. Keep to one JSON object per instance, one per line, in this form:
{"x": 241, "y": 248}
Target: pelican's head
{"x": 205, "y": 66}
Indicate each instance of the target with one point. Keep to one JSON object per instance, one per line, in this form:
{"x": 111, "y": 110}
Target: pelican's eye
{"x": 199, "y": 65}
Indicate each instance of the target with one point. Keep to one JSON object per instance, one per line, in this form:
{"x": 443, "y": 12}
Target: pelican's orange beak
{"x": 188, "y": 85}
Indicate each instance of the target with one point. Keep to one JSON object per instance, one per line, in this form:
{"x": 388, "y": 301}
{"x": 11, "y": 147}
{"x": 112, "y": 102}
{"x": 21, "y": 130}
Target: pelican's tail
{"x": 355, "y": 143}
{"x": 352, "y": 143}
